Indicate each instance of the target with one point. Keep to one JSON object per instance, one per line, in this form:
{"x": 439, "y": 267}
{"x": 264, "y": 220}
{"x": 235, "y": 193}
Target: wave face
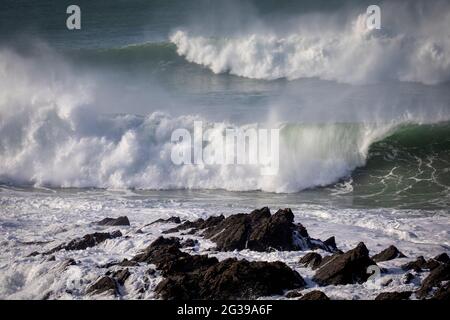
{"x": 349, "y": 52}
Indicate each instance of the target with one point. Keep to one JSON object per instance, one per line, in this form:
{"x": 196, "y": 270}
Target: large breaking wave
{"x": 413, "y": 45}
{"x": 51, "y": 135}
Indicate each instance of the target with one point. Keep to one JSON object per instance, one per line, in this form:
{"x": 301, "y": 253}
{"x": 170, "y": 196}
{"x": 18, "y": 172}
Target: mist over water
{"x": 96, "y": 108}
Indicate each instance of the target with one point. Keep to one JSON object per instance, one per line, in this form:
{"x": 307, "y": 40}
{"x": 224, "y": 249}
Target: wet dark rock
{"x": 202, "y": 277}
{"x": 89, "y": 240}
{"x": 331, "y": 243}
{"x": 120, "y": 221}
{"x": 151, "y": 272}
{"x": 176, "y": 220}
{"x": 258, "y": 231}
{"x": 231, "y": 279}
{"x": 311, "y": 259}
{"x": 128, "y": 263}
{"x": 394, "y": 296}
{"x": 417, "y": 265}
{"x": 347, "y": 268}
{"x": 432, "y": 264}
{"x": 166, "y": 255}
{"x": 103, "y": 284}
{"x": 293, "y": 294}
{"x": 388, "y": 254}
{"x": 315, "y": 295}
{"x": 328, "y": 258}
{"x": 443, "y": 258}
{"x": 197, "y": 225}
{"x": 121, "y": 275}
{"x": 434, "y": 279}
{"x": 443, "y": 293}
{"x": 33, "y": 254}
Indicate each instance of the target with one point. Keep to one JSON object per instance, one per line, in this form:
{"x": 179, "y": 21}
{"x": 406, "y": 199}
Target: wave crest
{"x": 353, "y": 55}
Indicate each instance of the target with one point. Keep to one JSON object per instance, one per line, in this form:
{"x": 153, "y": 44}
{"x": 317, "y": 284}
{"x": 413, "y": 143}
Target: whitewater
{"x": 86, "y": 121}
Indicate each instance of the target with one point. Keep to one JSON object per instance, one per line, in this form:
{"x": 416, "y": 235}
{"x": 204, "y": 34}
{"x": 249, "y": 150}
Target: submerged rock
{"x": 120, "y": 221}
{"x": 394, "y": 295}
{"x": 347, "y": 268}
{"x": 388, "y": 254}
{"x": 202, "y": 277}
{"x": 258, "y": 231}
{"x": 416, "y": 265}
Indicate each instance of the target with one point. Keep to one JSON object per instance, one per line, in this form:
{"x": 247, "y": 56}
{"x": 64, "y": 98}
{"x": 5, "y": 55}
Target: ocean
{"x": 86, "y": 118}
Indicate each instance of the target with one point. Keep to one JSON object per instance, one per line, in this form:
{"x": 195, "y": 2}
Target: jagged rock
{"x": 388, "y": 254}
{"x": 202, "y": 277}
{"x": 347, "y": 268}
{"x": 443, "y": 258}
{"x": 331, "y": 243}
{"x": 176, "y": 220}
{"x": 311, "y": 259}
{"x": 231, "y": 279}
{"x": 166, "y": 255}
{"x": 196, "y": 225}
{"x": 128, "y": 263}
{"x": 293, "y": 294}
{"x": 120, "y": 221}
{"x": 394, "y": 295}
{"x": 434, "y": 279}
{"x": 432, "y": 264}
{"x": 315, "y": 295}
{"x": 328, "y": 258}
{"x": 87, "y": 241}
{"x": 258, "y": 231}
{"x": 443, "y": 293}
{"x": 416, "y": 265}
{"x": 103, "y": 284}
{"x": 121, "y": 275}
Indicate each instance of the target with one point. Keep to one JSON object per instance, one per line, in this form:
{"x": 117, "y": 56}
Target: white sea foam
{"x": 40, "y": 220}
{"x": 52, "y": 136}
{"x": 348, "y": 53}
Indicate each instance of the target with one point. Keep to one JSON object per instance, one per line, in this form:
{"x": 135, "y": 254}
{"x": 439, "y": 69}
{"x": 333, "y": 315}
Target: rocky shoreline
{"x": 187, "y": 273}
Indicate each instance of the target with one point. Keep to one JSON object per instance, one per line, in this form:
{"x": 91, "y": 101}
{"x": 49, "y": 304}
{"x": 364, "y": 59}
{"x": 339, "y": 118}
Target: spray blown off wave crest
{"x": 51, "y": 135}
{"x": 352, "y": 54}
